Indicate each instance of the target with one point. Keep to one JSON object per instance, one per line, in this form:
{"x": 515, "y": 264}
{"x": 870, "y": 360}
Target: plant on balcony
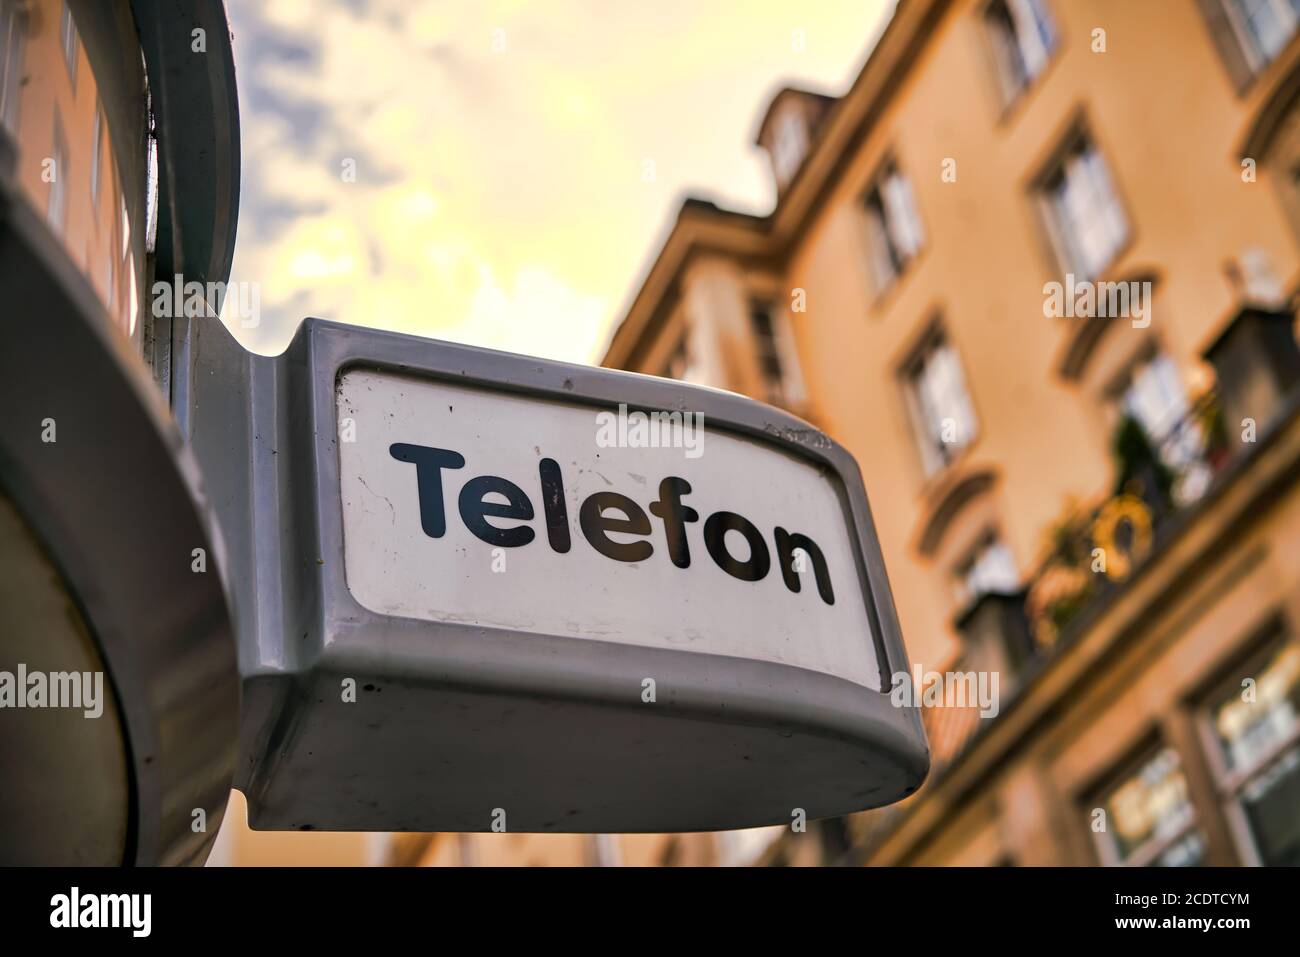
{"x": 1064, "y": 582}
{"x": 1140, "y": 470}
{"x": 1208, "y": 415}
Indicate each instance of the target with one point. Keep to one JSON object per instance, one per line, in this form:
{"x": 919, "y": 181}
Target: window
{"x": 1149, "y": 820}
{"x": 988, "y": 569}
{"x": 128, "y": 265}
{"x": 1263, "y": 27}
{"x": 57, "y": 205}
{"x": 70, "y": 42}
{"x": 1023, "y": 38}
{"x": 679, "y": 359}
{"x": 942, "y": 414}
{"x": 1084, "y": 214}
{"x": 110, "y": 282}
{"x": 1255, "y": 726}
{"x": 789, "y": 144}
{"x": 96, "y": 158}
{"x": 778, "y": 365}
{"x": 1153, "y": 395}
{"x": 605, "y": 850}
{"x": 746, "y": 847}
{"x": 682, "y": 362}
{"x": 13, "y": 26}
{"x": 893, "y": 226}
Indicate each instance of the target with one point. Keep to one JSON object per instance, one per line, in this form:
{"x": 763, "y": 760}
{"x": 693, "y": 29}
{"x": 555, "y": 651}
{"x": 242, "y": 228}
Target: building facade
{"x": 1037, "y": 270}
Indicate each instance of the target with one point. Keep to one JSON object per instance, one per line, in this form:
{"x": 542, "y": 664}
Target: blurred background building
{"x": 1102, "y": 511}
{"x": 52, "y": 104}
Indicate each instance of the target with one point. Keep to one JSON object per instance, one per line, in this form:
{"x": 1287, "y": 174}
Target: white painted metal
{"x": 395, "y": 568}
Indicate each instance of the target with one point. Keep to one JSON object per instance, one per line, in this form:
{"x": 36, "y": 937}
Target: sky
{"x": 502, "y": 172}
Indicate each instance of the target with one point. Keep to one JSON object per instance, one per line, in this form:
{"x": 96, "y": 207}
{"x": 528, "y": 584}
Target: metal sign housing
{"x": 596, "y": 707}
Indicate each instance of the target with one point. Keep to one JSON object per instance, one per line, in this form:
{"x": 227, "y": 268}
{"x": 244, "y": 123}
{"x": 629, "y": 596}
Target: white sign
{"x": 462, "y": 504}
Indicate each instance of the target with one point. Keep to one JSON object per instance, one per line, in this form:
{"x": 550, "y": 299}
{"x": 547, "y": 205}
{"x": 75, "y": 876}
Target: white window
{"x": 110, "y": 283}
{"x": 96, "y": 159}
{"x": 894, "y": 228}
{"x": 1155, "y": 397}
{"x": 1256, "y": 760}
{"x": 605, "y": 850}
{"x": 789, "y": 145}
{"x": 746, "y": 847}
{"x": 774, "y": 348}
{"x": 942, "y": 413}
{"x": 70, "y": 42}
{"x": 13, "y": 28}
{"x": 1263, "y": 27}
{"x": 1023, "y": 37}
{"x": 1149, "y": 818}
{"x": 1087, "y": 220}
{"x": 57, "y": 205}
{"x": 128, "y": 268}
{"x": 683, "y": 363}
{"x": 989, "y": 569}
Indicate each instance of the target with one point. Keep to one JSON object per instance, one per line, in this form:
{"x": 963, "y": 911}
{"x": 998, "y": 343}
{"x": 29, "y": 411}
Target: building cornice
{"x": 703, "y": 226}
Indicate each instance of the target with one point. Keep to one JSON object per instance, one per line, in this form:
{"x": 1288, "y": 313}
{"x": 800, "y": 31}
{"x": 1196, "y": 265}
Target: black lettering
{"x": 429, "y": 463}
{"x": 595, "y": 526}
{"x": 785, "y": 546}
{"x": 474, "y": 511}
{"x": 553, "y": 506}
{"x": 675, "y": 515}
{"x": 715, "y": 540}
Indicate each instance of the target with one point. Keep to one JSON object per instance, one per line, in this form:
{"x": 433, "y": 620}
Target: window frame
{"x": 1269, "y": 639}
{"x": 1147, "y": 356}
{"x": 13, "y": 38}
{"x": 58, "y": 193}
{"x": 1149, "y": 746}
{"x": 1061, "y": 245}
{"x": 933, "y": 458}
{"x": 790, "y": 144}
{"x": 989, "y": 536}
{"x": 787, "y": 389}
{"x": 69, "y": 42}
{"x": 97, "y": 160}
{"x": 1009, "y": 97}
{"x": 877, "y": 226}
{"x": 1257, "y": 60}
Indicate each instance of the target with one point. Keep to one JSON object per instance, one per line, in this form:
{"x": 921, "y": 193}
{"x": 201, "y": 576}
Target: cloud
{"x": 498, "y": 150}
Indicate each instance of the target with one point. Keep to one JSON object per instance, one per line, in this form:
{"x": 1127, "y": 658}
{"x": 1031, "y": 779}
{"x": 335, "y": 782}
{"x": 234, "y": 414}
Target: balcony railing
{"x": 1092, "y": 549}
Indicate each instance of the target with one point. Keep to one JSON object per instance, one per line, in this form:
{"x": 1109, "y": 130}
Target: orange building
{"x": 1037, "y": 269}
{"x": 74, "y": 157}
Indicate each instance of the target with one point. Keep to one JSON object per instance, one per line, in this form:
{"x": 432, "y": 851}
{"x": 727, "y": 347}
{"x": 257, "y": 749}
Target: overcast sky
{"x": 517, "y": 164}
